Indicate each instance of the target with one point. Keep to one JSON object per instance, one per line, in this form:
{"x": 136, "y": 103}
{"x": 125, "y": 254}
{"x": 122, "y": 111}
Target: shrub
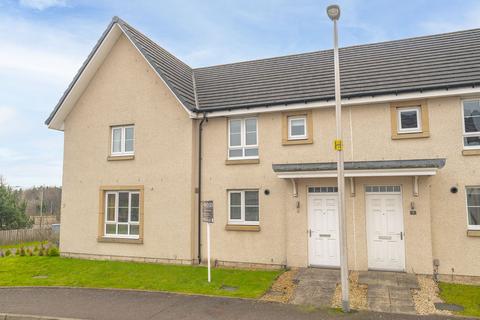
{"x": 53, "y": 252}
{"x": 35, "y": 249}
{"x": 17, "y": 251}
{"x": 29, "y": 252}
{"x": 8, "y": 252}
{"x": 22, "y": 252}
{"x": 40, "y": 252}
{"x": 1, "y": 254}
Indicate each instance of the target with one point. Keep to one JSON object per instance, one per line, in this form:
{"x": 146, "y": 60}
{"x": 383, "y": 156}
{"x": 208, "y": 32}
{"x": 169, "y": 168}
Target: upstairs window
{"x": 409, "y": 120}
{"x": 243, "y": 138}
{"x": 243, "y": 207}
{"x": 473, "y": 208}
{"x": 123, "y": 141}
{"x": 471, "y": 124}
{"x": 297, "y": 127}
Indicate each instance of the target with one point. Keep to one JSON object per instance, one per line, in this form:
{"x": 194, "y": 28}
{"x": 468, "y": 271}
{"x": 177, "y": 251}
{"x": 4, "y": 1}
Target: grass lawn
{"x": 24, "y": 244}
{"x": 467, "y": 296}
{"x": 57, "y": 271}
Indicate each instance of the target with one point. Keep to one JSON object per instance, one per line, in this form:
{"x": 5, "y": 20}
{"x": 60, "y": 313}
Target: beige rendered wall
{"x": 437, "y": 231}
{"x": 126, "y": 90}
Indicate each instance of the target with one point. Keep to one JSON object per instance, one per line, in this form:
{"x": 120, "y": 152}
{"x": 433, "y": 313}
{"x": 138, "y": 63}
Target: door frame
{"x": 367, "y": 233}
{"x": 309, "y": 195}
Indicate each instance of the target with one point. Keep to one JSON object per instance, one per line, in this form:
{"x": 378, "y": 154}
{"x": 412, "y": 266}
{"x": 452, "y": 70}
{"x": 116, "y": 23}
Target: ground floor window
{"x": 243, "y": 207}
{"x": 473, "y": 208}
{"x": 122, "y": 214}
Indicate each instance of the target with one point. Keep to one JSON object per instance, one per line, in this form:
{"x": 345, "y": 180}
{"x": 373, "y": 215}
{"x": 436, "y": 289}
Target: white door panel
{"x": 386, "y": 247}
{"x": 323, "y": 230}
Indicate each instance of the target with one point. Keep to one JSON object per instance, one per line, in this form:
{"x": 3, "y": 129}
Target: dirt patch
{"x": 283, "y": 288}
{"x": 358, "y": 294}
{"x": 425, "y": 297}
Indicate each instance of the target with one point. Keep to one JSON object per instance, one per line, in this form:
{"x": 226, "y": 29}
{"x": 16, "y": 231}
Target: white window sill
{"x": 297, "y": 138}
{"x": 239, "y": 223}
{"x": 409, "y": 131}
{"x": 122, "y": 154}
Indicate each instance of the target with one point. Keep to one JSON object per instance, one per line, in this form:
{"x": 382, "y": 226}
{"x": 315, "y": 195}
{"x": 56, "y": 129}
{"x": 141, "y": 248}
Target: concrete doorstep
{"x": 13, "y": 316}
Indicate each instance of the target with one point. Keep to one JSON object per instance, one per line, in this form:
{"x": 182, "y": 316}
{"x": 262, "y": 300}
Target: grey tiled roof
{"x": 417, "y": 64}
{"x": 361, "y": 165}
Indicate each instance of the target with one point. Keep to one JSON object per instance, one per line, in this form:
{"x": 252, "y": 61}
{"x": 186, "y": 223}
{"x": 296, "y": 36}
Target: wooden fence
{"x": 26, "y": 235}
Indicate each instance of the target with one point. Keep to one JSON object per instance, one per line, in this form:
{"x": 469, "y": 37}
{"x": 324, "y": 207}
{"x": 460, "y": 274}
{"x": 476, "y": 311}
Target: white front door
{"x": 323, "y": 240}
{"x": 385, "y": 234}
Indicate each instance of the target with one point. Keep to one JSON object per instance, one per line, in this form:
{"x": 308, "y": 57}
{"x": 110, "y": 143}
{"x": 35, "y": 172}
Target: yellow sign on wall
{"x": 338, "y": 145}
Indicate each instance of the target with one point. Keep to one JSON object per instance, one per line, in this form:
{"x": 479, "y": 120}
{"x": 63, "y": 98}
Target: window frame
{"x": 470, "y": 226}
{"x": 243, "y": 135}
{"x": 418, "y": 111}
{"x": 286, "y": 129}
{"x": 468, "y": 134}
{"x": 129, "y": 222}
{"x": 242, "y": 220}
{"x": 297, "y": 117}
{"x": 122, "y": 151}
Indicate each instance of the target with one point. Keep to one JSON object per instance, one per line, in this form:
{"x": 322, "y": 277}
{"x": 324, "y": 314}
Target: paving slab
{"x": 389, "y": 291}
{"x": 315, "y": 286}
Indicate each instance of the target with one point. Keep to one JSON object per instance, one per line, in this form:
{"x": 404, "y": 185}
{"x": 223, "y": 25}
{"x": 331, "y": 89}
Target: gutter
{"x": 347, "y": 99}
{"x": 199, "y": 188}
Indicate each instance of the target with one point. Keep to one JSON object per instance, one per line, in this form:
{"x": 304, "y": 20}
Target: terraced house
{"x": 147, "y": 138}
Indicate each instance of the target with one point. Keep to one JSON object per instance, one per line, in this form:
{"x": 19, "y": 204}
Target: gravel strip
{"x": 425, "y": 297}
{"x": 358, "y": 294}
{"x": 283, "y": 288}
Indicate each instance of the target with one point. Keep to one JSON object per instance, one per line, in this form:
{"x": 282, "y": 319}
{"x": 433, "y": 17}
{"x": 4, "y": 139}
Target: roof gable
{"x": 174, "y": 73}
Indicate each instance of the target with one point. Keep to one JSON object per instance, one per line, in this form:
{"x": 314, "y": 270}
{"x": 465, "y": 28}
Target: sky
{"x": 44, "y": 42}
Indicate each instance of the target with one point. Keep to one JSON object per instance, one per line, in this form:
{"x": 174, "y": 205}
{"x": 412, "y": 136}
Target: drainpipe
{"x": 200, "y": 130}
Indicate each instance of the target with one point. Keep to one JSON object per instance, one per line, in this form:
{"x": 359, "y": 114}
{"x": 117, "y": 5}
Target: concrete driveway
{"x": 123, "y": 304}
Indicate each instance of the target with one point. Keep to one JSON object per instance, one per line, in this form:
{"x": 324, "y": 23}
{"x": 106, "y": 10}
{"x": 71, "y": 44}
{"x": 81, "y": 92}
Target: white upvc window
{"x": 123, "y": 141}
{"x": 243, "y": 138}
{"x": 409, "y": 119}
{"x": 243, "y": 207}
{"x": 473, "y": 207}
{"x": 471, "y": 123}
{"x": 122, "y": 214}
{"x": 297, "y": 127}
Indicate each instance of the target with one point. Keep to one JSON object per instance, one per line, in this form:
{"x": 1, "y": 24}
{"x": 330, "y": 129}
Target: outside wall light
{"x": 413, "y": 211}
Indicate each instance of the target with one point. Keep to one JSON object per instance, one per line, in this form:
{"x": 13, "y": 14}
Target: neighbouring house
{"x": 147, "y": 138}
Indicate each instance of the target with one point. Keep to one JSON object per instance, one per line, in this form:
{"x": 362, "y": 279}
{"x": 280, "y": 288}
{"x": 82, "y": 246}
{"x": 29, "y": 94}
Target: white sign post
{"x": 207, "y": 216}
{"x": 208, "y": 252}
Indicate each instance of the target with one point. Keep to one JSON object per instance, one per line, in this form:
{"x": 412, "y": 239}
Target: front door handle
{"x": 401, "y": 235}
{"x": 310, "y": 233}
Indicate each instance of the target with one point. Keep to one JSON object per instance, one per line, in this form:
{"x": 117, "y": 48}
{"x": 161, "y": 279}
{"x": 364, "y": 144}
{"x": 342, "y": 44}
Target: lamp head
{"x": 333, "y": 12}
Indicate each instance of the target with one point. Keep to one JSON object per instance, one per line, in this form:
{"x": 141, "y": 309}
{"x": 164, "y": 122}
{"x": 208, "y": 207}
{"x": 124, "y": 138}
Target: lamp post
{"x": 333, "y": 12}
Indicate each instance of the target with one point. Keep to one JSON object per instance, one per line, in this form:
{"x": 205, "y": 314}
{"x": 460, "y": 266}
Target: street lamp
{"x": 333, "y": 12}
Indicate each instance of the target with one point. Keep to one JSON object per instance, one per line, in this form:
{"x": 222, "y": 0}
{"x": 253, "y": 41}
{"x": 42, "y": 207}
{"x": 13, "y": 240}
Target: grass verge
{"x": 57, "y": 271}
{"x": 467, "y": 296}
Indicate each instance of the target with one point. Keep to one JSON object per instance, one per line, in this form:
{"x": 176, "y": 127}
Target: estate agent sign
{"x": 207, "y": 211}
